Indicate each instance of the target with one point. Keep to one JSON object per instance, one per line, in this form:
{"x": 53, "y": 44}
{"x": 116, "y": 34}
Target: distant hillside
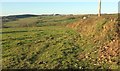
{"x": 15, "y": 17}
{"x": 37, "y": 20}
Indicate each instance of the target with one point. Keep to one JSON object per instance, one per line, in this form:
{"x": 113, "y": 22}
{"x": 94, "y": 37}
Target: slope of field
{"x": 45, "y": 47}
{"x": 40, "y": 21}
{"x": 78, "y": 42}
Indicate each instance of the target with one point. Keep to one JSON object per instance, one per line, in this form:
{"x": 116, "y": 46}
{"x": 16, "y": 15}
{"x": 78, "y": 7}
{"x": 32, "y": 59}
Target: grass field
{"x": 61, "y": 42}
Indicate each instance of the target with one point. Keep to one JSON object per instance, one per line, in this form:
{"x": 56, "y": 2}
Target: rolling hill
{"x": 61, "y": 42}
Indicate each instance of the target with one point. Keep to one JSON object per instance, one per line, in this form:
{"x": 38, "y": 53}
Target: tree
{"x": 99, "y": 8}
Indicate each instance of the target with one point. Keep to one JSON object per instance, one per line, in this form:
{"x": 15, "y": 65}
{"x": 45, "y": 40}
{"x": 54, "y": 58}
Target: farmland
{"x": 61, "y": 42}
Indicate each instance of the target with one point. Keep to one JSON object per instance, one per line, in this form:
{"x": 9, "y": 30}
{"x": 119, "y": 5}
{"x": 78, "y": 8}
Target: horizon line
{"x": 56, "y": 13}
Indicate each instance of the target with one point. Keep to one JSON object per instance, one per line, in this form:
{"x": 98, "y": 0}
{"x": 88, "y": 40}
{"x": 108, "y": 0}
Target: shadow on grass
{"x": 12, "y": 32}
